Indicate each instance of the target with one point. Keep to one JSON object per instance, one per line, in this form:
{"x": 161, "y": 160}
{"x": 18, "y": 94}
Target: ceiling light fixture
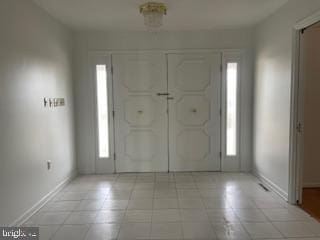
{"x": 153, "y": 14}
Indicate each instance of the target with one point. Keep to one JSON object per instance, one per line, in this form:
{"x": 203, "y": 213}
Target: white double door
{"x": 167, "y": 111}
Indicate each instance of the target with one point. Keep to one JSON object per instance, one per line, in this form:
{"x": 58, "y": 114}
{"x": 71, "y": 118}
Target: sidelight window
{"x": 102, "y": 110}
{"x": 231, "y": 108}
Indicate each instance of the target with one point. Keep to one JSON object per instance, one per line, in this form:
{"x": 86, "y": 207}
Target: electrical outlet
{"x": 49, "y": 164}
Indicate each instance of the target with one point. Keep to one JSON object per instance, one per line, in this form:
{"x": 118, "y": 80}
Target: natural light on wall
{"x": 231, "y": 111}
{"x": 102, "y": 105}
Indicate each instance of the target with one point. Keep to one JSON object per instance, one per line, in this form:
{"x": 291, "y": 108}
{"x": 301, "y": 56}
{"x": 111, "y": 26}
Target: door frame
{"x": 296, "y": 112}
{"x": 236, "y": 54}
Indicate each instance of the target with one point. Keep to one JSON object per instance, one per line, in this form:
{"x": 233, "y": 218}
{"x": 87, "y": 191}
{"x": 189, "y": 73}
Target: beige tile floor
{"x": 195, "y": 205}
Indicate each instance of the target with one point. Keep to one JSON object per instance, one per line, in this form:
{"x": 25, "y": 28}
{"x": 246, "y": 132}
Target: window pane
{"x": 231, "y": 111}
{"x": 103, "y": 117}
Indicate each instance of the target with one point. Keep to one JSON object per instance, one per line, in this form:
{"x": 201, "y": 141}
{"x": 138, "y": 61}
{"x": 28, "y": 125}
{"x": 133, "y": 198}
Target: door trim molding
{"x": 169, "y": 51}
{"x": 308, "y": 21}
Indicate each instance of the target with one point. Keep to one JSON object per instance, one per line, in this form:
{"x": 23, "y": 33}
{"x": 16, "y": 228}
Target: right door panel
{"x": 194, "y": 111}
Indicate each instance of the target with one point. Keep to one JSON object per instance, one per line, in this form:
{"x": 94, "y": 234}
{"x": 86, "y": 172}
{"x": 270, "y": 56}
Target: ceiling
{"x": 182, "y": 14}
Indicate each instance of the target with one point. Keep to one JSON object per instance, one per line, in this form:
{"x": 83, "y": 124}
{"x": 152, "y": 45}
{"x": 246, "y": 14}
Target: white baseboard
{"x": 24, "y": 217}
{"x": 274, "y": 187}
{"x": 311, "y": 185}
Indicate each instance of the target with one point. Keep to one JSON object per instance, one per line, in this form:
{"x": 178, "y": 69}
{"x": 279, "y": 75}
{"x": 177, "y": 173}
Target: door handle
{"x": 163, "y": 94}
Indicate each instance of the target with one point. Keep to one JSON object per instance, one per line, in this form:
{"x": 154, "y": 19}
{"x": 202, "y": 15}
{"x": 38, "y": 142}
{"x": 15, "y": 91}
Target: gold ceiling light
{"x": 153, "y": 14}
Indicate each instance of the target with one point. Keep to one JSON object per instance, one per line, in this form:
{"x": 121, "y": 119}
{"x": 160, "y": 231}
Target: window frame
{"x": 102, "y": 164}
{"x": 230, "y": 162}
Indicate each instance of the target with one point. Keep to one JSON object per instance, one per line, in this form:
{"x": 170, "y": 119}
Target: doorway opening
{"x": 309, "y": 118}
{"x": 304, "y": 180}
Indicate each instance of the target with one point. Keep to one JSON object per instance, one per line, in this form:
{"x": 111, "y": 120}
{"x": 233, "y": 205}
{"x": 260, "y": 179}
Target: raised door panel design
{"x": 194, "y": 112}
{"x": 140, "y": 111}
{"x": 189, "y": 70}
{"x": 140, "y": 74}
{"x": 141, "y": 145}
{"x": 140, "y": 114}
{"x": 192, "y": 145}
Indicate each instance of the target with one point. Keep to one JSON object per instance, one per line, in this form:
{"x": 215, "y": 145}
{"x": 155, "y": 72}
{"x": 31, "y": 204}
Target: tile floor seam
{"x": 55, "y": 232}
{"x": 245, "y": 229}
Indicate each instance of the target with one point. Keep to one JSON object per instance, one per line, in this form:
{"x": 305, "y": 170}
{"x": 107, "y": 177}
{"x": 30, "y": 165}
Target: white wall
{"x": 104, "y": 41}
{"x": 273, "y": 53}
{"x": 311, "y": 129}
{"x": 35, "y": 61}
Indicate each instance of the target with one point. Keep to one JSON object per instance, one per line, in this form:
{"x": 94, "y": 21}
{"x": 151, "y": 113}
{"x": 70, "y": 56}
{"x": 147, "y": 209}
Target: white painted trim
{"x": 311, "y": 185}
{"x": 308, "y": 21}
{"x": 274, "y": 187}
{"x": 36, "y": 207}
{"x": 296, "y": 144}
{"x": 294, "y": 173}
{"x": 169, "y": 51}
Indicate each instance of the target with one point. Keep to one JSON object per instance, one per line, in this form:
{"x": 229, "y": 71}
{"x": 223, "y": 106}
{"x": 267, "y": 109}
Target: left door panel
{"x": 141, "y": 119}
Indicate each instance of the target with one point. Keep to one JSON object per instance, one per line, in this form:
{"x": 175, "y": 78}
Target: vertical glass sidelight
{"x": 102, "y": 110}
{"x": 231, "y": 108}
